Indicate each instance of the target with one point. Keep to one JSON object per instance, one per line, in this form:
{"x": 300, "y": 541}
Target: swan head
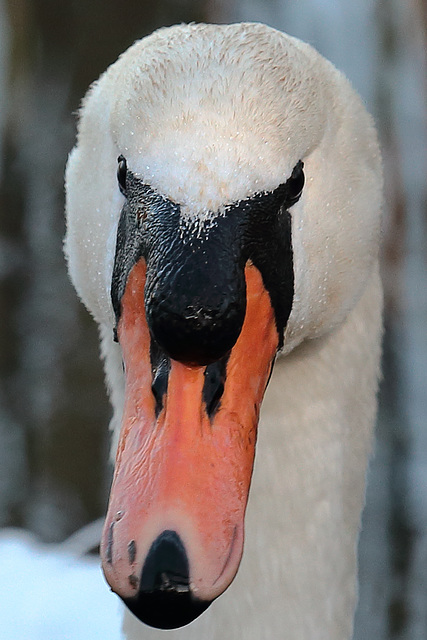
{"x": 222, "y": 205}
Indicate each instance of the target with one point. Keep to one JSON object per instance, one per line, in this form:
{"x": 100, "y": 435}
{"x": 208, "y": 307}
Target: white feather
{"x": 208, "y": 115}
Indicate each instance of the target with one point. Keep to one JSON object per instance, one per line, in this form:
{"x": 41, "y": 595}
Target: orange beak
{"x": 173, "y": 535}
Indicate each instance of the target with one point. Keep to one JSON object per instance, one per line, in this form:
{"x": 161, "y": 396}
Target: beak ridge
{"x": 182, "y": 476}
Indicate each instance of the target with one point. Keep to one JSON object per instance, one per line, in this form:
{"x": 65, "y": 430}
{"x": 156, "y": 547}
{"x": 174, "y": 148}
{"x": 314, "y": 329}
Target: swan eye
{"x": 295, "y": 183}
{"x": 121, "y": 173}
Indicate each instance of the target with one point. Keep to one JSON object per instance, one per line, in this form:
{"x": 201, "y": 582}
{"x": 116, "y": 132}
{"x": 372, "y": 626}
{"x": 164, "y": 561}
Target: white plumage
{"x": 209, "y": 115}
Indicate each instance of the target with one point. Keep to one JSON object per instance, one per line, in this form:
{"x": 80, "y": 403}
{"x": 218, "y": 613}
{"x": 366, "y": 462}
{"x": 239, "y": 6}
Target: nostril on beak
{"x": 213, "y": 387}
{"x": 164, "y": 599}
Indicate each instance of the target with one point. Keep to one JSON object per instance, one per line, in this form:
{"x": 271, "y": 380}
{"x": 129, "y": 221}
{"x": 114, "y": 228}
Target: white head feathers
{"x": 208, "y": 115}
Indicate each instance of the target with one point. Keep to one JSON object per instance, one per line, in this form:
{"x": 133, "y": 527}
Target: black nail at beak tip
{"x": 164, "y": 599}
{"x": 166, "y": 566}
{"x": 166, "y": 609}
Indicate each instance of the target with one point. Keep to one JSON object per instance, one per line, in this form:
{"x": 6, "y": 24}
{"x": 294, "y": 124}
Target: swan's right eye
{"x": 121, "y": 173}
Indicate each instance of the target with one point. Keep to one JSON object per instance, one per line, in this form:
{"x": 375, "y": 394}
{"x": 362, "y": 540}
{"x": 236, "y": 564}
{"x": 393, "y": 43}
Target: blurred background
{"x": 54, "y": 414}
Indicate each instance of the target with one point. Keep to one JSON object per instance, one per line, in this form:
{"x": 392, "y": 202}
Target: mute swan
{"x": 223, "y": 204}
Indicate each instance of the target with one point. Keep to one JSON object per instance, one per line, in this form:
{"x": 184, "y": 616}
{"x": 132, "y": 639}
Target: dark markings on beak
{"x": 109, "y": 551}
{"x": 213, "y": 386}
{"x": 133, "y": 581}
{"x": 160, "y": 367}
{"x": 132, "y": 551}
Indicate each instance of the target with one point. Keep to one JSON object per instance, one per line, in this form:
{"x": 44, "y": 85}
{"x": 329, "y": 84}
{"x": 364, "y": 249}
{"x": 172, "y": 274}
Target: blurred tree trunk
{"x": 53, "y": 408}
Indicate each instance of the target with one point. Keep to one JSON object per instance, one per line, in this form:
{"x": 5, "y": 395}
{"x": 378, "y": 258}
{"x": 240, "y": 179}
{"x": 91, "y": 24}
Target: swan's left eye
{"x": 121, "y": 173}
{"x": 295, "y": 183}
